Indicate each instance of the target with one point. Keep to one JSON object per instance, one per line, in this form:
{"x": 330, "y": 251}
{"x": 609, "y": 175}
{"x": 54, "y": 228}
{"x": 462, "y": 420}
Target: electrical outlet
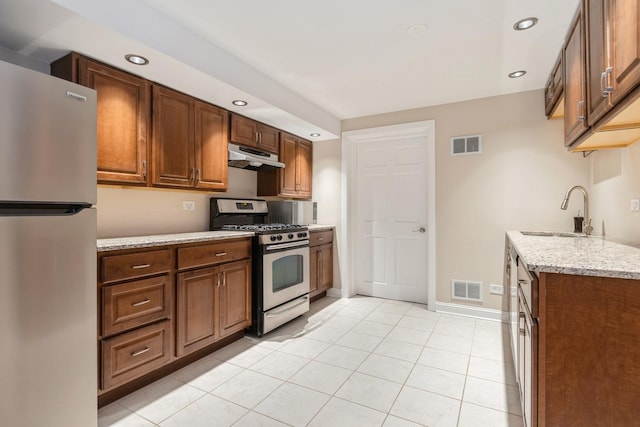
{"x": 496, "y": 289}
{"x": 635, "y": 205}
{"x": 189, "y": 205}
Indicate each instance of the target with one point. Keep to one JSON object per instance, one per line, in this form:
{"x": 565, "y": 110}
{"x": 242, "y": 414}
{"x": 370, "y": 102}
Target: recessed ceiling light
{"x": 239, "y": 102}
{"x": 314, "y": 135}
{"x": 517, "y": 74}
{"x": 136, "y": 59}
{"x": 525, "y": 24}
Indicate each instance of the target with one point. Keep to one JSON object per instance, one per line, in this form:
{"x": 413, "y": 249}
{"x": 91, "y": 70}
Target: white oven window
{"x": 285, "y": 276}
{"x": 287, "y": 271}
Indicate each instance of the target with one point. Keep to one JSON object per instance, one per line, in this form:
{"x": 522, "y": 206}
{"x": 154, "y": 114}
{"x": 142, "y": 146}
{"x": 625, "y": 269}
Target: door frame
{"x": 350, "y": 139}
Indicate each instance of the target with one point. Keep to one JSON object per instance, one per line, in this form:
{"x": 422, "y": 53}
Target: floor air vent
{"x": 465, "y": 290}
{"x": 461, "y": 145}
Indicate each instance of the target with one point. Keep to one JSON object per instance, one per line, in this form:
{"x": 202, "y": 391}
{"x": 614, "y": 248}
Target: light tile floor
{"x": 348, "y": 362}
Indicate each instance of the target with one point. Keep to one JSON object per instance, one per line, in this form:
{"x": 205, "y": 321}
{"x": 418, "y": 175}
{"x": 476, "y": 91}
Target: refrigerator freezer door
{"x": 47, "y": 138}
{"x": 48, "y": 320}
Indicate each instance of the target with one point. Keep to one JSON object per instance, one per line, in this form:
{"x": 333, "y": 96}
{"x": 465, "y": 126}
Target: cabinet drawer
{"x": 215, "y": 253}
{"x": 133, "y": 304}
{"x": 133, "y": 354}
{"x": 320, "y": 237}
{"x": 130, "y": 266}
{"x": 528, "y": 285}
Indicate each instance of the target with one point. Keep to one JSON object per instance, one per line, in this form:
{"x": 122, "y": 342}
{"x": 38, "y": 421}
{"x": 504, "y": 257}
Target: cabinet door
{"x": 244, "y": 131}
{"x": 596, "y": 58}
{"x": 326, "y": 266}
{"x": 268, "y": 139}
{"x": 235, "y": 297}
{"x": 196, "y": 309}
{"x": 173, "y": 138}
{"x": 288, "y": 175}
{"x": 314, "y": 268}
{"x": 520, "y": 367}
{"x": 527, "y": 363}
{"x": 304, "y": 166}
{"x": 553, "y": 91}
{"x": 122, "y": 122}
{"x": 211, "y": 151}
{"x": 624, "y": 21}
{"x": 575, "y": 120}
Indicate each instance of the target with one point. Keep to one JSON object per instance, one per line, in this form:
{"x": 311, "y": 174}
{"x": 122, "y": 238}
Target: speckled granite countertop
{"x": 320, "y": 227}
{"x": 166, "y": 239}
{"x": 587, "y": 256}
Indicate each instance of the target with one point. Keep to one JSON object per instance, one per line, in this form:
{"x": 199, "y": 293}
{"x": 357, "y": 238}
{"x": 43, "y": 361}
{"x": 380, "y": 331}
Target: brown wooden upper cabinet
{"x": 189, "y": 144}
{"x": 245, "y": 131}
{"x": 575, "y": 109}
{"x": 602, "y": 76}
{"x": 123, "y": 117}
{"x": 294, "y": 180}
{"x": 553, "y": 92}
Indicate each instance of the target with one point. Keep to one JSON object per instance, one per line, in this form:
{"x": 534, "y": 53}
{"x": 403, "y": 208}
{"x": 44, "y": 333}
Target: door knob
{"x": 421, "y": 230}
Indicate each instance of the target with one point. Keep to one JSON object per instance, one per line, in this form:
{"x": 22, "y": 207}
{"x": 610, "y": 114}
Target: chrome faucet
{"x": 586, "y": 222}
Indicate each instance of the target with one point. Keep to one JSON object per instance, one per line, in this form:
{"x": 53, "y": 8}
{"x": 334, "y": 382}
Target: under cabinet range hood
{"x": 252, "y": 159}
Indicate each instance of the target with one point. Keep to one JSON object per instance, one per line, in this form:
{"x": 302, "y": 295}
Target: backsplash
{"x": 615, "y": 180}
{"x": 124, "y": 212}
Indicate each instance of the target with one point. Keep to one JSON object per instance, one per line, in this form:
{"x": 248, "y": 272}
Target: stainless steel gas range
{"x": 280, "y": 261}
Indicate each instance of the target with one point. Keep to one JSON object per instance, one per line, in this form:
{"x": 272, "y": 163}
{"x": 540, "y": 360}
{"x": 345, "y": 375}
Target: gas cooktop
{"x": 265, "y": 228}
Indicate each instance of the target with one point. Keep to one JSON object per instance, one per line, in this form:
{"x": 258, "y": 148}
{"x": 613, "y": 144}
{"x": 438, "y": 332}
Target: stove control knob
{"x": 302, "y": 234}
{"x": 279, "y": 236}
{"x": 273, "y": 238}
{"x": 290, "y": 235}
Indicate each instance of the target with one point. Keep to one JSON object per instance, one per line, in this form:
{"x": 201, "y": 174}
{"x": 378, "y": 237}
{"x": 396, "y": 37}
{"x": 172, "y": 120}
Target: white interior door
{"x": 390, "y": 219}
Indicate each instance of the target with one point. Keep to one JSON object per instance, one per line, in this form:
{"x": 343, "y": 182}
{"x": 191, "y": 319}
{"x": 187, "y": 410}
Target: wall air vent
{"x": 463, "y": 145}
{"x": 466, "y": 290}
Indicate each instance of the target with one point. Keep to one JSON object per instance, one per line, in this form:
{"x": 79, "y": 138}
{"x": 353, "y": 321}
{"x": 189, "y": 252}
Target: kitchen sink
{"x": 552, "y": 234}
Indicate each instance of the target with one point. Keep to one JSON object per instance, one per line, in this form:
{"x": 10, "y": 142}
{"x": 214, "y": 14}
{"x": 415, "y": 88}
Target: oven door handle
{"x": 278, "y": 313}
{"x": 298, "y": 244}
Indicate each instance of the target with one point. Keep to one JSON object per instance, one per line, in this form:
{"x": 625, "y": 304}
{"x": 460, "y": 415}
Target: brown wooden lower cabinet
{"x": 212, "y": 303}
{"x": 165, "y": 307}
{"x": 321, "y": 262}
{"x": 578, "y": 361}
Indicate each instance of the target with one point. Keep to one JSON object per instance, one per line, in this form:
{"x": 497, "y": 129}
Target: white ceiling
{"x": 305, "y": 65}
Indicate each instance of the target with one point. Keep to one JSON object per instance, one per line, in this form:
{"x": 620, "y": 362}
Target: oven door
{"x": 285, "y": 273}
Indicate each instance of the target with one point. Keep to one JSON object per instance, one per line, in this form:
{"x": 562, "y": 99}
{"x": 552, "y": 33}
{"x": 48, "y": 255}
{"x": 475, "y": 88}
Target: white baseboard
{"x": 469, "y": 311}
{"x": 334, "y": 292}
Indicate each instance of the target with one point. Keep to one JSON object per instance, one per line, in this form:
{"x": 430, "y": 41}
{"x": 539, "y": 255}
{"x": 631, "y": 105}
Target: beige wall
{"x": 615, "y": 180}
{"x": 518, "y": 182}
{"x": 135, "y": 212}
{"x": 327, "y": 181}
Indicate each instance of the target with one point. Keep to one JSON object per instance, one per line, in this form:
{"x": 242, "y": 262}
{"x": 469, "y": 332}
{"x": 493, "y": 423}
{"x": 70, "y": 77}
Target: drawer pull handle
{"x": 221, "y": 254}
{"x": 138, "y": 304}
{"x": 320, "y": 239}
{"x": 139, "y": 266}
{"x": 139, "y": 352}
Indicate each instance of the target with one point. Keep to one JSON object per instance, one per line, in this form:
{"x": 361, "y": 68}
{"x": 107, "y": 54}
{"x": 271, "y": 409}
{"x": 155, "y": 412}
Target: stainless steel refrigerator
{"x": 47, "y": 251}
